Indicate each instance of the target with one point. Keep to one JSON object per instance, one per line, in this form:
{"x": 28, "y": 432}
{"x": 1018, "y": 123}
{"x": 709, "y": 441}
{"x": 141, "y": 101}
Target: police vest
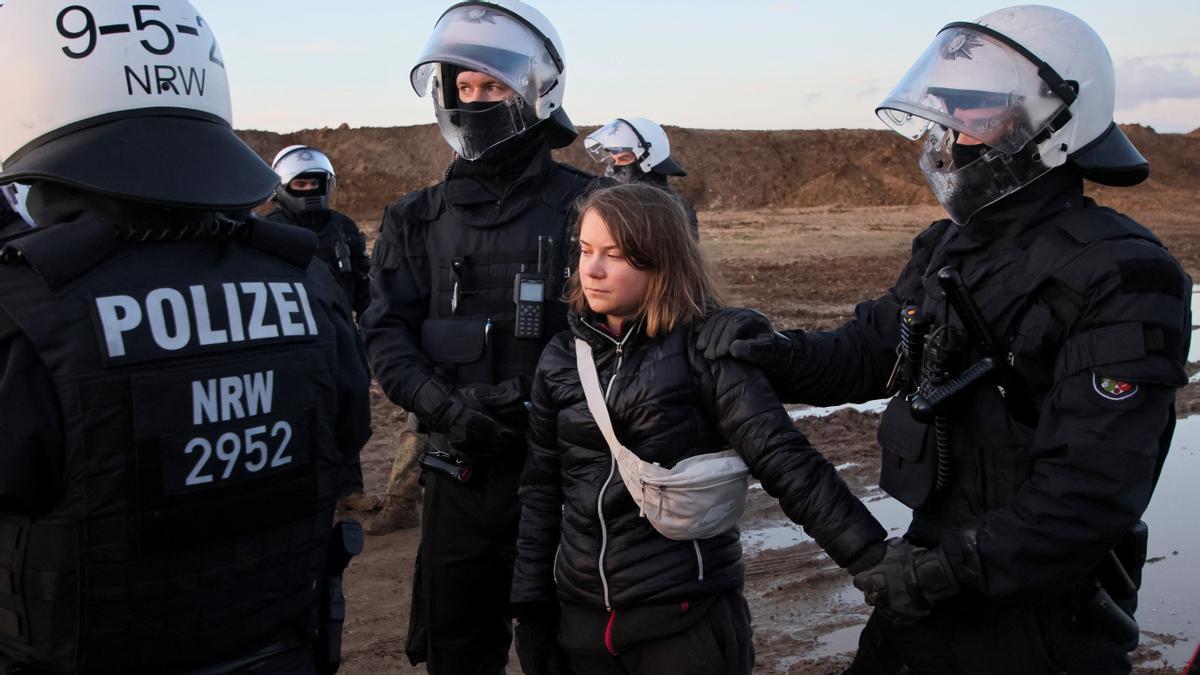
{"x": 1029, "y": 296}
{"x": 194, "y": 383}
{"x": 470, "y": 330}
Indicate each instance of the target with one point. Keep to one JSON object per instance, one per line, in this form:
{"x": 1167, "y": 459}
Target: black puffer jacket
{"x": 667, "y": 403}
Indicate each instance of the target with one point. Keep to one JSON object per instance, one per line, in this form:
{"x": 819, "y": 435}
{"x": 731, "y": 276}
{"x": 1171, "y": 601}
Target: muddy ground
{"x": 805, "y": 267}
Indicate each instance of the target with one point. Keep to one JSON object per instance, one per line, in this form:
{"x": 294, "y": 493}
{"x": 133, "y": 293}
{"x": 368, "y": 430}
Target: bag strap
{"x": 590, "y": 380}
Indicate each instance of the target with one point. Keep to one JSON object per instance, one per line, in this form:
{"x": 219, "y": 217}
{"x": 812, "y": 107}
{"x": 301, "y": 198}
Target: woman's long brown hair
{"x": 654, "y": 233}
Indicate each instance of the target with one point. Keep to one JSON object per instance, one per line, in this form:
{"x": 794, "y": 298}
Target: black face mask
{"x": 625, "y": 173}
{"x": 965, "y": 154}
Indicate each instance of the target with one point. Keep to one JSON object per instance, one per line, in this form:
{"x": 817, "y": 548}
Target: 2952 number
{"x": 247, "y": 452}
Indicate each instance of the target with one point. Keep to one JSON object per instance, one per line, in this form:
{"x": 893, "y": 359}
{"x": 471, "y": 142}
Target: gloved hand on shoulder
{"x": 747, "y": 335}
{"x": 906, "y": 581}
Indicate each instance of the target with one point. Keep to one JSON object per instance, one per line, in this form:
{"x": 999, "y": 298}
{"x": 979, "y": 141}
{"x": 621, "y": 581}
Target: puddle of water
{"x": 1169, "y": 601}
{"x": 893, "y": 515}
{"x": 1194, "y": 354}
{"x": 800, "y": 412}
{"x": 840, "y": 641}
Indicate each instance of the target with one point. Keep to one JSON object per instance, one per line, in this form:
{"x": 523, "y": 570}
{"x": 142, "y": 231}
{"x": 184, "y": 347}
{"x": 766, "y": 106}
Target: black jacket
{"x": 579, "y": 525}
{"x": 112, "y": 417}
{"x": 332, "y": 228}
{"x": 1050, "y": 469}
{"x": 451, "y": 252}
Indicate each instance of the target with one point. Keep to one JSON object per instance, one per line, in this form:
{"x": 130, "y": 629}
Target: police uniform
{"x": 1029, "y": 478}
{"x": 176, "y": 415}
{"x": 180, "y": 385}
{"x": 442, "y": 309}
{"x": 333, "y": 229}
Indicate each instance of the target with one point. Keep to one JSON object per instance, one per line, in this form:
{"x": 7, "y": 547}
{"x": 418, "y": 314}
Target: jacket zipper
{"x": 612, "y": 467}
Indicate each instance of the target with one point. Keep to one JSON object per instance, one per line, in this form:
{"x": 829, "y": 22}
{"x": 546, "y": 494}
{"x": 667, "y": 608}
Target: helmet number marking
{"x": 243, "y": 454}
{"x": 76, "y": 22}
{"x": 143, "y": 23}
{"x": 89, "y": 29}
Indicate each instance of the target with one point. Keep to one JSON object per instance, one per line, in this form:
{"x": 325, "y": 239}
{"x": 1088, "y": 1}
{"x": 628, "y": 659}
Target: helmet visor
{"x": 485, "y": 39}
{"x": 474, "y": 128}
{"x": 966, "y": 182}
{"x": 612, "y": 139}
{"x": 302, "y": 160}
{"x": 975, "y": 85}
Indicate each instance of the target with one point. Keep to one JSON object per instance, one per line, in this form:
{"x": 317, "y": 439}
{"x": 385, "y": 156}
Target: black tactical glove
{"x": 537, "y": 641}
{"x": 906, "y": 582}
{"x": 505, "y": 402}
{"x": 464, "y": 419}
{"x": 747, "y": 335}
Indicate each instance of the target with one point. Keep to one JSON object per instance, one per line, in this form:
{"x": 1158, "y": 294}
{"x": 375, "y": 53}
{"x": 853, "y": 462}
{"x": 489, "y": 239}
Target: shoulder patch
{"x": 1111, "y": 388}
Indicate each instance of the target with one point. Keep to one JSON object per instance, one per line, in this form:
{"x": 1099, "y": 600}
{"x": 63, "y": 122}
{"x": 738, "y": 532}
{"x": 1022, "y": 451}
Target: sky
{"x": 750, "y": 64}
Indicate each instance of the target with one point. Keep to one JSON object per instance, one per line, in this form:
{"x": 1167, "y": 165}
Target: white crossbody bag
{"x": 699, "y": 497}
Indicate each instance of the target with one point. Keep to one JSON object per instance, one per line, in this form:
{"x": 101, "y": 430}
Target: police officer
{"x": 1041, "y": 338}
{"x": 636, "y": 150}
{"x": 466, "y": 277}
{"x": 306, "y": 182}
{"x": 179, "y": 384}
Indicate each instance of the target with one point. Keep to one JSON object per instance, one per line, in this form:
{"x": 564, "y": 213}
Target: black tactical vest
{"x": 1029, "y": 295}
{"x": 194, "y": 381}
{"x": 470, "y": 332}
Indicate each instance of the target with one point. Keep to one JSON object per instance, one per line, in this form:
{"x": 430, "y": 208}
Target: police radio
{"x": 529, "y": 295}
{"x": 341, "y": 255}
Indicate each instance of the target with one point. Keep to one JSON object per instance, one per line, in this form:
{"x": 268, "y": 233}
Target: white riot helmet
{"x": 126, "y": 100}
{"x": 301, "y": 161}
{"x": 15, "y": 194}
{"x": 644, "y": 138}
{"x": 507, "y": 40}
{"x": 1034, "y": 84}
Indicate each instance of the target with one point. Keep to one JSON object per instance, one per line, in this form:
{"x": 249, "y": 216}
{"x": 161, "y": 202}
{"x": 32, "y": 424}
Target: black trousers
{"x": 987, "y": 638}
{"x": 721, "y": 643}
{"x": 460, "y": 623}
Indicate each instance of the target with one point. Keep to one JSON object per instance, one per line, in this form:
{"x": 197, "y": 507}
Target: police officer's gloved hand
{"x": 907, "y": 581}
{"x": 537, "y": 640}
{"x": 467, "y": 422}
{"x": 744, "y": 334}
{"x": 504, "y": 401}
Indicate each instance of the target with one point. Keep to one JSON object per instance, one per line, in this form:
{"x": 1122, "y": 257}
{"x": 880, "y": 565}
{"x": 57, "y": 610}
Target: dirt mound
{"x": 727, "y": 170}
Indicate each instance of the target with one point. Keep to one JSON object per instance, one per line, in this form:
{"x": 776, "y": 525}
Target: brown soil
{"x": 789, "y": 232}
{"x": 727, "y": 170}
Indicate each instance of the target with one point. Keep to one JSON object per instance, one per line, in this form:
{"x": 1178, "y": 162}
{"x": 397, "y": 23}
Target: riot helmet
{"x": 634, "y": 142}
{"x": 130, "y": 101}
{"x": 297, "y": 164}
{"x": 1004, "y": 100}
{"x": 516, "y": 45}
{"x": 13, "y": 195}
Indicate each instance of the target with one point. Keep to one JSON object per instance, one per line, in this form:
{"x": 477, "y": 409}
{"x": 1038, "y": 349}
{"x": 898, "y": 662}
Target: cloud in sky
{"x": 1149, "y": 79}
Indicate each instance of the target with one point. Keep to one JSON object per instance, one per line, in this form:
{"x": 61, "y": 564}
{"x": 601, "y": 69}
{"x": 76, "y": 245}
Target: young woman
{"x": 624, "y": 598}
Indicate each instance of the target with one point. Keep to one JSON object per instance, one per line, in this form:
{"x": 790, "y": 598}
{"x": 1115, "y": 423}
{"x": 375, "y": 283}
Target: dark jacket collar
{"x": 1010, "y": 218}
{"x": 588, "y": 326}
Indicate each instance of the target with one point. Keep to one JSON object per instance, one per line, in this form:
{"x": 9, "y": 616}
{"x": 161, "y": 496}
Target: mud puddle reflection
{"x": 1169, "y": 611}
{"x": 1194, "y": 354}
